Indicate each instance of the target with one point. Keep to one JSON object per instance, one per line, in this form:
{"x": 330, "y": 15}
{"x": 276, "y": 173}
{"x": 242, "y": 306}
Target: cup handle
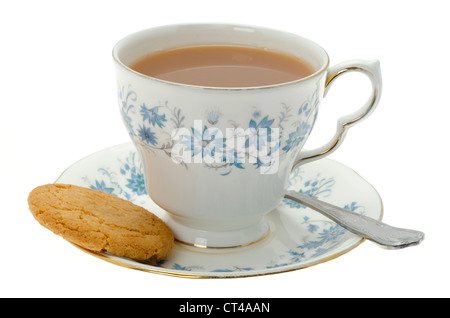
{"x": 372, "y": 70}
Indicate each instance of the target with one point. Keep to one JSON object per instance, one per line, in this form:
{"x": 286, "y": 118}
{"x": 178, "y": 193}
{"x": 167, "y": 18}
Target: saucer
{"x": 299, "y": 237}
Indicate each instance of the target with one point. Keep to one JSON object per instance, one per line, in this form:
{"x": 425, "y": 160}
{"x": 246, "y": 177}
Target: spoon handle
{"x": 376, "y": 231}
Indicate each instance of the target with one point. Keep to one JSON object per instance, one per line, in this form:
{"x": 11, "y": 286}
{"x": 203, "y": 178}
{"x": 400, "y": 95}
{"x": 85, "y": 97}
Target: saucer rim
{"x": 131, "y": 264}
{"x": 135, "y": 265}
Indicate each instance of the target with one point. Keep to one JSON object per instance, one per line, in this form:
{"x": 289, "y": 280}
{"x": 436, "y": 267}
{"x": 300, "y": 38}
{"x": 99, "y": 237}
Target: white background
{"x": 58, "y": 104}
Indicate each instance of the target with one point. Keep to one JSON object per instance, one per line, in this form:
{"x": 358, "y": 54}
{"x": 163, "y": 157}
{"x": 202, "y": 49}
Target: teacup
{"x": 217, "y": 194}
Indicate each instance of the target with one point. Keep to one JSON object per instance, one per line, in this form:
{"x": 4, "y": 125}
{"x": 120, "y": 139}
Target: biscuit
{"x": 100, "y": 221}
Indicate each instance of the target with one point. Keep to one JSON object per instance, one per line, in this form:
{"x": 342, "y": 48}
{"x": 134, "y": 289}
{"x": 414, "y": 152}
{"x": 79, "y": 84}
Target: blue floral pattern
{"x": 152, "y": 115}
{"x": 206, "y": 143}
{"x": 147, "y": 135}
{"x": 128, "y": 182}
{"x": 147, "y": 127}
{"x": 317, "y": 187}
{"x": 297, "y": 137}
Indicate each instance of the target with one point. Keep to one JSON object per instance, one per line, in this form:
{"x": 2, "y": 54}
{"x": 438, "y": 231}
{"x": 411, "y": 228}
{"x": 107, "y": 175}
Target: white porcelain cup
{"x": 202, "y": 147}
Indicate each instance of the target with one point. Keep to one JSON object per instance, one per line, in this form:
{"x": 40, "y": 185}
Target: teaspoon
{"x": 376, "y": 231}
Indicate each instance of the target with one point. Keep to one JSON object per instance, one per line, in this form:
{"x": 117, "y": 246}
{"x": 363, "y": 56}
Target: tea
{"x": 223, "y": 66}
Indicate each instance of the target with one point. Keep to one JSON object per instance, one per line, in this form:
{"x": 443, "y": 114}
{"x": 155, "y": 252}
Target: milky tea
{"x": 223, "y": 66}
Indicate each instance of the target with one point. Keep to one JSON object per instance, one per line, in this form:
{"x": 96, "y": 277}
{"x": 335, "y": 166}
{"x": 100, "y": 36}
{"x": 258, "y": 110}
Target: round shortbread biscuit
{"x": 100, "y": 221}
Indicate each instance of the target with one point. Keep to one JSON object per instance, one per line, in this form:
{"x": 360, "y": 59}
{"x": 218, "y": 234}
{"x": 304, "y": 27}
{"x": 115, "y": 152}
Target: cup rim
{"x": 318, "y": 72}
